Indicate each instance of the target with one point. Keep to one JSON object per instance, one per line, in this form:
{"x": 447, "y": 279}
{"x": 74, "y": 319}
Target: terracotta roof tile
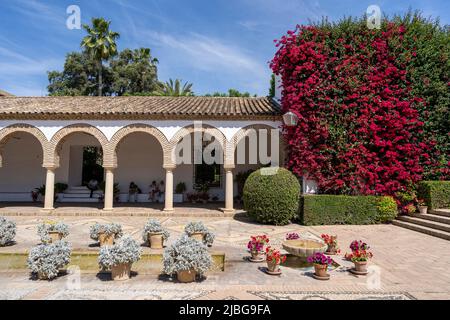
{"x": 137, "y": 107}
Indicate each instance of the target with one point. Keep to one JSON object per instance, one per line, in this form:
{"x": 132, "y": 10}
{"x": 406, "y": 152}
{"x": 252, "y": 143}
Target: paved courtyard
{"x": 408, "y": 265}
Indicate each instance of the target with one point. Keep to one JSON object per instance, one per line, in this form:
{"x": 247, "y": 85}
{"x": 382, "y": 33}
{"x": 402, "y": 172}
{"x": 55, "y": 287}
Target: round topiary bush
{"x": 272, "y": 196}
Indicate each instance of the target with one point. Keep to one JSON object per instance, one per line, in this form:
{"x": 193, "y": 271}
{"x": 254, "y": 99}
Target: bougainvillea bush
{"x": 361, "y": 121}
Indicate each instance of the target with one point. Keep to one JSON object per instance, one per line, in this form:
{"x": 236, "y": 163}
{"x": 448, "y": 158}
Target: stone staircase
{"x": 79, "y": 194}
{"x": 436, "y": 223}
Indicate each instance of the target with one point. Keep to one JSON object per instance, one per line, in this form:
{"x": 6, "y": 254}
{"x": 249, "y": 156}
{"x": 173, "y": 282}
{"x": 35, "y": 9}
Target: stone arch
{"x": 6, "y": 133}
{"x": 208, "y": 129}
{"x": 111, "y": 152}
{"x": 58, "y": 139}
{"x": 244, "y": 132}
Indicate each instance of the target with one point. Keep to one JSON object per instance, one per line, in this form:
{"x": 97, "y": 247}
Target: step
{"x": 79, "y": 200}
{"x": 80, "y": 195}
{"x": 441, "y": 212}
{"x": 433, "y": 217}
{"x": 426, "y": 223}
{"x": 422, "y": 229}
{"x": 79, "y": 188}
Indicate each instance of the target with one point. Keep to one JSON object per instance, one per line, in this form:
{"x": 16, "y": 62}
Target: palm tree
{"x": 143, "y": 58}
{"x": 174, "y": 89}
{"x": 101, "y": 44}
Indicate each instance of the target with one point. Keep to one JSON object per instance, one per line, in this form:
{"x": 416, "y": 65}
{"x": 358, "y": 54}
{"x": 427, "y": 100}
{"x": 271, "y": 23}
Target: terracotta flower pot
{"x": 257, "y": 255}
{"x": 42, "y": 276}
{"x": 423, "y": 209}
{"x": 54, "y": 236}
{"x": 360, "y": 266}
{"x": 155, "y": 240}
{"x": 121, "y": 271}
{"x": 320, "y": 269}
{"x": 331, "y": 249}
{"x": 272, "y": 266}
{"x": 105, "y": 239}
{"x": 186, "y": 276}
{"x": 197, "y": 236}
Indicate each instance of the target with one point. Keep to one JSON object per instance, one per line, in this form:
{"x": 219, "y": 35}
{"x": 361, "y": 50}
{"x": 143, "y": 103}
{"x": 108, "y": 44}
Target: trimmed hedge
{"x": 273, "y": 198}
{"x": 341, "y": 209}
{"x": 435, "y": 193}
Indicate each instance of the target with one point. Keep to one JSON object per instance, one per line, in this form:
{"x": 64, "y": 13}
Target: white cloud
{"x": 14, "y": 63}
{"x": 210, "y": 54}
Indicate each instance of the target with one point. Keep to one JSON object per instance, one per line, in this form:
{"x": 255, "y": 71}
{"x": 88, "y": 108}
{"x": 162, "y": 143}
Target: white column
{"x": 49, "y": 189}
{"x": 229, "y": 190}
{"x": 109, "y": 189}
{"x": 169, "y": 189}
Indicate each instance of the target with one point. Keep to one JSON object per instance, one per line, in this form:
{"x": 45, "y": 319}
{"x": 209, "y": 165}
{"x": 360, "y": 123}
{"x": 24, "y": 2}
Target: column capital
{"x": 52, "y": 167}
{"x": 229, "y": 166}
{"x": 111, "y": 168}
{"x": 169, "y": 166}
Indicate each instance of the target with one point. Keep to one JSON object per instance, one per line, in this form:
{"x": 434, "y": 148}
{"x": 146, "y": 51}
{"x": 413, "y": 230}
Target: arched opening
{"x": 21, "y": 172}
{"x": 80, "y": 175}
{"x": 140, "y": 162}
{"x": 199, "y": 156}
{"x": 255, "y": 147}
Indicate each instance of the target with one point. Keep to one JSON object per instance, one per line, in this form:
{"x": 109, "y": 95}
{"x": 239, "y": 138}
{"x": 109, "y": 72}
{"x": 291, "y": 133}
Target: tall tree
{"x": 101, "y": 44}
{"x": 135, "y": 72}
{"x": 79, "y": 77}
{"x": 272, "y": 86}
{"x": 174, "y": 89}
{"x": 230, "y": 93}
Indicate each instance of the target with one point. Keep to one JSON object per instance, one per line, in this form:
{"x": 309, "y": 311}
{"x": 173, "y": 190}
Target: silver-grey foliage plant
{"x": 199, "y": 227}
{"x": 47, "y": 259}
{"x": 46, "y": 227}
{"x": 186, "y": 254}
{"x": 126, "y": 250}
{"x": 7, "y": 231}
{"x": 154, "y": 226}
{"x": 108, "y": 229}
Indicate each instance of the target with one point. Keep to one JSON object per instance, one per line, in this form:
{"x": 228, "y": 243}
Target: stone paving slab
{"x": 406, "y": 264}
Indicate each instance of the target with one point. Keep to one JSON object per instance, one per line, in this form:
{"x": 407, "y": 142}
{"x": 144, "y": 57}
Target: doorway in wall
{"x": 92, "y": 165}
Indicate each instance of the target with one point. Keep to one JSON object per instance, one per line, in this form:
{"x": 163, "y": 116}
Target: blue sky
{"x": 215, "y": 44}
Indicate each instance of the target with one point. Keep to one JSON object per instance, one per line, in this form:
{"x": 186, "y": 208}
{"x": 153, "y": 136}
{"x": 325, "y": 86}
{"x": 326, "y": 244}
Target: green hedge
{"x": 273, "y": 198}
{"x": 340, "y": 209}
{"x": 435, "y": 193}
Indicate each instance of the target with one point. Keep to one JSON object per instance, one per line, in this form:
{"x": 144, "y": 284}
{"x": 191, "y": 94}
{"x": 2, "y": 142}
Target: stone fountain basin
{"x": 303, "y": 248}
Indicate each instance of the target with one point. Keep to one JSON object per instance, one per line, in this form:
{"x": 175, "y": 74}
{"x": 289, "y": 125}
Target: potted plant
{"x": 274, "y": 259}
{"x": 204, "y": 197}
{"x": 52, "y": 231}
{"x": 34, "y": 195}
{"x": 155, "y": 234}
{"x": 423, "y": 208}
{"x": 331, "y": 242}
{"x": 192, "y": 197}
{"x": 60, "y": 188}
{"x": 256, "y": 247}
{"x": 360, "y": 256}
{"x": 7, "y": 231}
{"x": 199, "y": 232}
{"x": 105, "y": 233}
{"x": 180, "y": 189}
{"x": 321, "y": 263}
{"x": 187, "y": 258}
{"x": 41, "y": 192}
{"x": 119, "y": 257}
{"x": 45, "y": 260}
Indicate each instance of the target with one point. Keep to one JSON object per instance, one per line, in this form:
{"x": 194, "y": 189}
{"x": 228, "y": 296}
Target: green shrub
{"x": 340, "y": 209}
{"x": 272, "y": 199}
{"x": 435, "y": 193}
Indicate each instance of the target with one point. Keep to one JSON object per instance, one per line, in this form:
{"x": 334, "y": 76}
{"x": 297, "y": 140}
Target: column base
{"x": 47, "y": 210}
{"x": 169, "y": 210}
{"x": 108, "y": 209}
{"x": 228, "y": 211}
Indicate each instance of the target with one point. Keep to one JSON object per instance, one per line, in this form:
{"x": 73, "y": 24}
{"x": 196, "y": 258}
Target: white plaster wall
{"x": 20, "y": 174}
{"x": 168, "y": 127}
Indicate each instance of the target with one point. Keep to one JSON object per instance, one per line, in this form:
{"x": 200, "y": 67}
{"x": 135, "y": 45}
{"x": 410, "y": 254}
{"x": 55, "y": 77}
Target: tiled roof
{"x": 5, "y": 94}
{"x": 137, "y": 108}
